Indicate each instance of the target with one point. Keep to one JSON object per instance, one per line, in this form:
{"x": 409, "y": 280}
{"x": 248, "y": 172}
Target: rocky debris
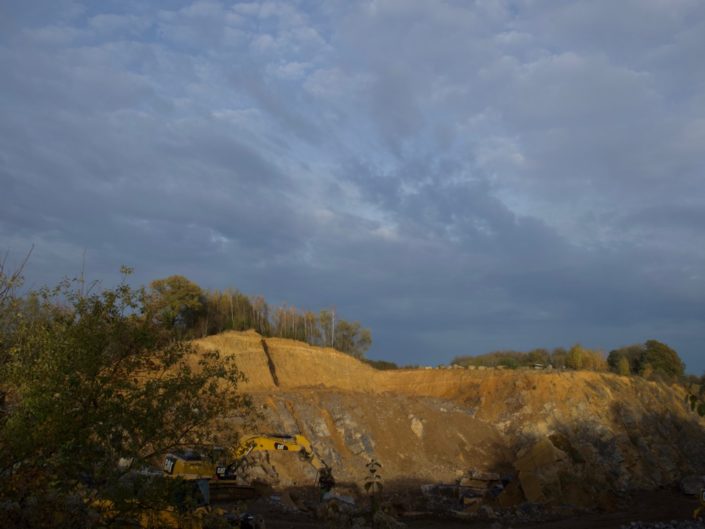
{"x": 331, "y": 496}
{"x": 469, "y": 496}
{"x": 692, "y": 485}
{"x": 441, "y": 496}
{"x": 384, "y": 520}
{"x": 282, "y": 503}
{"x": 673, "y": 524}
{"x": 539, "y": 468}
{"x": 476, "y": 485}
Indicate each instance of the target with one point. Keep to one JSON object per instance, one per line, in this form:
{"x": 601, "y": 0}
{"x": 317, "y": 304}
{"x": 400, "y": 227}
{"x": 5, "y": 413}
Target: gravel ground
{"x": 673, "y": 524}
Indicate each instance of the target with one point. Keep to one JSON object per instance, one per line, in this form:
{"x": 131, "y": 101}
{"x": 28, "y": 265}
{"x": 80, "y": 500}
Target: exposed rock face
{"x": 554, "y": 437}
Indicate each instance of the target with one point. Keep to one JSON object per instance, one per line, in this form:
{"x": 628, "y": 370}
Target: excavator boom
{"x": 192, "y": 466}
{"x": 275, "y": 442}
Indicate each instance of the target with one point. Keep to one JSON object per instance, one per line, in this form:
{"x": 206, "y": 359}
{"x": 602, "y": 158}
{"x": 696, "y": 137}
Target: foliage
{"x": 663, "y": 359}
{"x": 577, "y": 357}
{"x": 176, "y": 301}
{"x": 382, "y": 365}
{"x": 230, "y": 310}
{"x": 631, "y": 353}
{"x": 94, "y": 380}
{"x": 493, "y": 359}
{"x": 697, "y": 403}
{"x": 9, "y": 304}
{"x": 326, "y": 320}
{"x": 180, "y": 304}
{"x": 580, "y": 357}
{"x": 622, "y": 367}
{"x": 352, "y": 339}
{"x": 695, "y": 386}
{"x": 649, "y": 359}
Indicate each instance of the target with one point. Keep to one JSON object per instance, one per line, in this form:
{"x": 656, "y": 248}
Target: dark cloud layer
{"x": 459, "y": 176}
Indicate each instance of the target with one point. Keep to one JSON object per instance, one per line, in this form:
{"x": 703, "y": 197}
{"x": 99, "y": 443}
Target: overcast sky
{"x": 459, "y": 176}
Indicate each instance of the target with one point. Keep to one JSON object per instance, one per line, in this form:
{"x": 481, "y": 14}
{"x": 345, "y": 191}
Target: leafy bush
{"x": 578, "y": 357}
{"x": 649, "y": 359}
{"x": 92, "y": 380}
{"x": 382, "y": 365}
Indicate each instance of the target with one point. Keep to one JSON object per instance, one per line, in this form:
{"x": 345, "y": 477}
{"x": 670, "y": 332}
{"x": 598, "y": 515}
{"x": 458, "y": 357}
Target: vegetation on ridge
{"x": 651, "y": 359}
{"x": 184, "y": 307}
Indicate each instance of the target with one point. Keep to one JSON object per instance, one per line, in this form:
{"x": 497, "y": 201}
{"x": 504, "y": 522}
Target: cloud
{"x": 459, "y": 177}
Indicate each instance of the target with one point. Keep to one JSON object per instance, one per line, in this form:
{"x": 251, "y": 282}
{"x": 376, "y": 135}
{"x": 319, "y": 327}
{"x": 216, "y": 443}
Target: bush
{"x": 622, "y": 367}
{"x": 663, "y": 359}
{"x": 649, "y": 359}
{"x": 93, "y": 380}
{"x": 381, "y": 365}
{"x": 580, "y": 357}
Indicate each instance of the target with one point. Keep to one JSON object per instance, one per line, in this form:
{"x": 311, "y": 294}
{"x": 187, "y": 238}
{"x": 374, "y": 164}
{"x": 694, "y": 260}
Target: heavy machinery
{"x": 191, "y": 465}
{"x": 701, "y": 508}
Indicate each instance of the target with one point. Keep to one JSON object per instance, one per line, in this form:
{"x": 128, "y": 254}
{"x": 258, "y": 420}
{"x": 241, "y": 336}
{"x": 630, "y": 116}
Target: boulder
{"x": 539, "y": 467}
{"x": 692, "y": 485}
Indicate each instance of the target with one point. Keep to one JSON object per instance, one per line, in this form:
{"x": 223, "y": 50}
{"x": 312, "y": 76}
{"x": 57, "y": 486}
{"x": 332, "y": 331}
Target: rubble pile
{"x": 673, "y": 524}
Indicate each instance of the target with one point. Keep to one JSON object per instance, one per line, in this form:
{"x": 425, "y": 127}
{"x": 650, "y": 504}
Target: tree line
{"x": 652, "y": 359}
{"x": 576, "y": 357}
{"x": 183, "y": 306}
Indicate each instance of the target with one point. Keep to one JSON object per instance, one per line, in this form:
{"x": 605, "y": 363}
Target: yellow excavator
{"x": 701, "y": 508}
{"x": 192, "y": 465}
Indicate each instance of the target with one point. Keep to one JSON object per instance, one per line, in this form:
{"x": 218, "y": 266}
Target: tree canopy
{"x": 577, "y": 357}
{"x": 647, "y": 359}
{"x": 176, "y": 301}
{"x": 179, "y": 304}
{"x": 92, "y": 381}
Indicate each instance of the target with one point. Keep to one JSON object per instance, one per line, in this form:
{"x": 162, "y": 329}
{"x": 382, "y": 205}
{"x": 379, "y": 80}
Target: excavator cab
{"x": 188, "y": 465}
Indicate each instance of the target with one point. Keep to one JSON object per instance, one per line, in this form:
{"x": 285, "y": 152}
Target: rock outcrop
{"x": 554, "y": 437}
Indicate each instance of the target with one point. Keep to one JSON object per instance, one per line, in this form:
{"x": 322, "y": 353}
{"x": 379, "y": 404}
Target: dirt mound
{"x": 554, "y": 437}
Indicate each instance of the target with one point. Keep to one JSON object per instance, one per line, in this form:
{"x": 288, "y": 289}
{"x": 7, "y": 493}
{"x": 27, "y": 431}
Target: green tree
{"x": 651, "y": 358}
{"x": 580, "y": 357}
{"x": 326, "y": 320}
{"x": 381, "y": 365}
{"x": 352, "y": 338}
{"x": 94, "y": 380}
{"x": 663, "y": 359}
{"x": 177, "y": 302}
{"x": 622, "y": 367}
{"x": 260, "y": 315}
{"x": 575, "y": 359}
{"x": 558, "y": 357}
{"x": 632, "y": 353}
{"x": 538, "y": 356}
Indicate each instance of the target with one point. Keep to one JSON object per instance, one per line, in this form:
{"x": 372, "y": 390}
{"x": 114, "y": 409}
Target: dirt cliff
{"x": 554, "y": 437}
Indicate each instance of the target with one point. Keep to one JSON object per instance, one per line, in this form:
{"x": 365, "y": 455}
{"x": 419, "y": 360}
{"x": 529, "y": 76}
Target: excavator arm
{"x": 276, "y": 442}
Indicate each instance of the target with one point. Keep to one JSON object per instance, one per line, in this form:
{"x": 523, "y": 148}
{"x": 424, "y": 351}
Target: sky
{"x": 459, "y": 176}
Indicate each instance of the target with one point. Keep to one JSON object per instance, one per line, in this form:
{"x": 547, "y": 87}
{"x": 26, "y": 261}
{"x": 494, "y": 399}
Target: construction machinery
{"x": 701, "y": 508}
{"x": 192, "y": 465}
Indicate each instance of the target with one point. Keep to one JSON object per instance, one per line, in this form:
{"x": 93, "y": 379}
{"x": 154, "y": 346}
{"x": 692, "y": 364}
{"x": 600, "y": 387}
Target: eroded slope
{"x": 561, "y": 436}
